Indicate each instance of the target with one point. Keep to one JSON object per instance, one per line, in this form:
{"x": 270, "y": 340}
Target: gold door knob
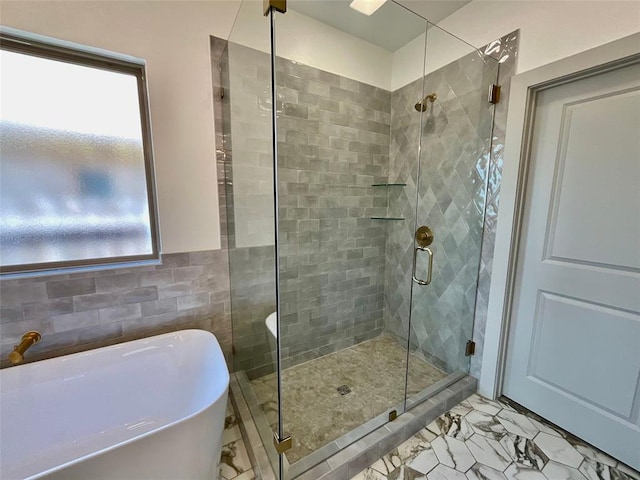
{"x": 424, "y": 236}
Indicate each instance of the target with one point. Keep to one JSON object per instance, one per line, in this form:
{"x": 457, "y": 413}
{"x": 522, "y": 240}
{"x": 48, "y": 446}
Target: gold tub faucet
{"x": 28, "y": 339}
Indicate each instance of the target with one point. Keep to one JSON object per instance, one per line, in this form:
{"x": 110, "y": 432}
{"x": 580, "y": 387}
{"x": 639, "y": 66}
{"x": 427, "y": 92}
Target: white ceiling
{"x": 434, "y": 10}
{"x": 390, "y": 27}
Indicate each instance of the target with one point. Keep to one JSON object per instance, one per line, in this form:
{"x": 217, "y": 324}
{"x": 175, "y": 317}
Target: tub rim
{"x": 198, "y": 332}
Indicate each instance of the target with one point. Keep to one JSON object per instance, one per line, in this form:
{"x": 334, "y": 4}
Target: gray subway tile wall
{"x": 333, "y": 140}
{"x": 252, "y": 300}
{"x": 89, "y": 309}
{"x": 246, "y": 231}
{"x": 332, "y": 263}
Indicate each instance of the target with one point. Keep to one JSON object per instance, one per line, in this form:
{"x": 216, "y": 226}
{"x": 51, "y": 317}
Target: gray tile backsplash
{"x": 89, "y": 309}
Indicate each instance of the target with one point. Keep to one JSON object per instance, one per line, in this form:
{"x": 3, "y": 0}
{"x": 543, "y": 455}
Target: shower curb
{"x": 252, "y": 441}
{"x": 354, "y": 458}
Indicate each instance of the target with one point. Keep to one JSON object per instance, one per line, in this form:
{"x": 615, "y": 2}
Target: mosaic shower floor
{"x": 480, "y": 439}
{"x": 314, "y": 410}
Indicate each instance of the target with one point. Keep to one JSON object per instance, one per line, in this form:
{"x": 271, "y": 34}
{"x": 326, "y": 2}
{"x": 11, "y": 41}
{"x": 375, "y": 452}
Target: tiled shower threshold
{"x": 354, "y": 451}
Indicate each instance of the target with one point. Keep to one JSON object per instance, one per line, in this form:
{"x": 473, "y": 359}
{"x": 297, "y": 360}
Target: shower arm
{"x": 421, "y": 106}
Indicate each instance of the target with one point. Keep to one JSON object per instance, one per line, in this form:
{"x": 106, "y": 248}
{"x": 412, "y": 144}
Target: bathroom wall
{"x": 173, "y": 38}
{"x": 190, "y": 289}
{"x": 245, "y": 172}
{"x": 333, "y": 137}
{"x": 86, "y": 310}
{"x": 506, "y": 49}
{"x": 549, "y": 30}
{"x": 250, "y": 140}
{"x": 544, "y": 29}
{"x": 333, "y": 144}
{"x": 179, "y": 74}
{"x": 456, "y": 141}
{"x": 358, "y": 59}
{"x": 451, "y": 202}
{"x": 442, "y": 49}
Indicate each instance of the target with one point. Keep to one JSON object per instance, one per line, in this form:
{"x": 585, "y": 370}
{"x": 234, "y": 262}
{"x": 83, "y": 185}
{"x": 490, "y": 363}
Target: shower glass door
{"x": 456, "y": 132}
{"x": 343, "y": 357}
{"x": 381, "y": 126}
{"x": 246, "y": 99}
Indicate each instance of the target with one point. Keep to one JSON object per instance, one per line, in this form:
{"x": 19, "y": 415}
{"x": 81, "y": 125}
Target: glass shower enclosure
{"x": 356, "y": 173}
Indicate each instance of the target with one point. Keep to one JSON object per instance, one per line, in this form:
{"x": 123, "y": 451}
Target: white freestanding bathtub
{"x": 147, "y": 409}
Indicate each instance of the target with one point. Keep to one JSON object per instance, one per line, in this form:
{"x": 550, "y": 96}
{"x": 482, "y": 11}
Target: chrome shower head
{"x": 421, "y": 106}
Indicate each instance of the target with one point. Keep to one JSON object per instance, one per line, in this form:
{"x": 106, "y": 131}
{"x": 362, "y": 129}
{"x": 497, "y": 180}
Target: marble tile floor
{"x": 315, "y": 413}
{"x": 480, "y": 439}
{"x": 234, "y": 460}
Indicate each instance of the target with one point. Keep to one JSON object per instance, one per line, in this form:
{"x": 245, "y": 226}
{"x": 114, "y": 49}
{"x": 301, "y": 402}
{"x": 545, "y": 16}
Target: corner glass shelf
{"x": 389, "y": 185}
{"x": 387, "y": 218}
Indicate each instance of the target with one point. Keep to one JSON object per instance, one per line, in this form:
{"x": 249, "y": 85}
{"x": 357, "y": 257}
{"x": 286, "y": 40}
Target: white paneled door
{"x": 574, "y": 347}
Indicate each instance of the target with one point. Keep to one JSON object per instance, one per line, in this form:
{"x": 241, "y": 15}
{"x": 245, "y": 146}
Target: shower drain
{"x": 343, "y": 390}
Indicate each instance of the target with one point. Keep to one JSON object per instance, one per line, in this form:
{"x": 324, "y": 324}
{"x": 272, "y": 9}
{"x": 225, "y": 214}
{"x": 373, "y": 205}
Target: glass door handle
{"x": 415, "y": 261}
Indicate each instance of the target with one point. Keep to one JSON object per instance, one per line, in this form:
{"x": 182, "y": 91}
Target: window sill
{"x": 80, "y": 269}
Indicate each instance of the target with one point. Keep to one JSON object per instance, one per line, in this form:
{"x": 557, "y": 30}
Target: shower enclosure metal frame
{"x": 280, "y": 441}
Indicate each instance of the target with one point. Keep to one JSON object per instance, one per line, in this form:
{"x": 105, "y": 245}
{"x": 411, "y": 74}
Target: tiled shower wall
{"x": 333, "y": 137}
{"x": 333, "y": 146}
{"x": 451, "y": 200}
{"x": 248, "y": 197}
{"x": 456, "y": 169}
{"x": 505, "y": 49}
{"x": 456, "y": 140}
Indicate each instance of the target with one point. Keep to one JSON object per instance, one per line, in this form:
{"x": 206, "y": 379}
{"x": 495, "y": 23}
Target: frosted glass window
{"x": 75, "y": 166}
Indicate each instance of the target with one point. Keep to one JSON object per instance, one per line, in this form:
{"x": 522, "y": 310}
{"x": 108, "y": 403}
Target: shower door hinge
{"x": 494, "y": 93}
{"x": 282, "y": 445}
{"x": 277, "y": 5}
{"x": 393, "y": 414}
{"x": 470, "y": 349}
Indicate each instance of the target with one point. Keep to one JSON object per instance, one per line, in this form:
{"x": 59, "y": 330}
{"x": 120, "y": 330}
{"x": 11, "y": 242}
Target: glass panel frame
{"x": 246, "y": 78}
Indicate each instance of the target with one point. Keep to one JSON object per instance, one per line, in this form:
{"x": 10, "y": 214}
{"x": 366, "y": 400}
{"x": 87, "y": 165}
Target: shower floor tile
{"x": 326, "y": 398}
